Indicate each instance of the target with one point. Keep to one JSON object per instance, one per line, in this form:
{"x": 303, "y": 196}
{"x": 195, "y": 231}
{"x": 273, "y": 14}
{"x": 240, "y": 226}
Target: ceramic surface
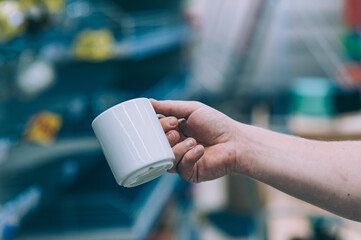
{"x": 132, "y": 139}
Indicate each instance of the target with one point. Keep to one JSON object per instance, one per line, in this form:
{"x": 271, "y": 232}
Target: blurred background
{"x": 292, "y": 66}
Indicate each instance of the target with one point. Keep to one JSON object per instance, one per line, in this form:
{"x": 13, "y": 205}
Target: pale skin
{"x": 208, "y": 144}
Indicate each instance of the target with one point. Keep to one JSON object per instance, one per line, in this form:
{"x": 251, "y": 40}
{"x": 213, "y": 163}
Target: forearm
{"x": 326, "y": 174}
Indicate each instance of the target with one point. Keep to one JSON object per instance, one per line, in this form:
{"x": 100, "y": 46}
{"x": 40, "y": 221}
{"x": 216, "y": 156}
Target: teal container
{"x": 352, "y": 44}
{"x": 312, "y": 97}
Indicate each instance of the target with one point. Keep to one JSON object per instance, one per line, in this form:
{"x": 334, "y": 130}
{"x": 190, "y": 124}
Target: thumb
{"x": 179, "y": 109}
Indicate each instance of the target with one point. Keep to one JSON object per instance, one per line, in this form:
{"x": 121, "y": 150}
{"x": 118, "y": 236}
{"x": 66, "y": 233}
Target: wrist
{"x": 259, "y": 150}
{"x": 243, "y": 148}
{"x": 253, "y": 145}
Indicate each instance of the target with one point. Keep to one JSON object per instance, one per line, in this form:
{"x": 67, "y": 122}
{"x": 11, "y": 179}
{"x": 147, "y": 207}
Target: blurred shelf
{"x": 122, "y": 214}
{"x": 174, "y": 87}
{"x": 288, "y": 216}
{"x": 142, "y": 44}
{"x": 27, "y": 156}
{"x": 152, "y": 43}
{"x": 95, "y": 207}
{"x": 339, "y": 128}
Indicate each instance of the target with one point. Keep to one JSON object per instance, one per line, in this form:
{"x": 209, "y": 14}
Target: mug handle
{"x": 160, "y": 116}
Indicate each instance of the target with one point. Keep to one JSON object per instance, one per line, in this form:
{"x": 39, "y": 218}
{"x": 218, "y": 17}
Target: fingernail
{"x": 171, "y": 137}
{"x": 197, "y": 149}
{"x": 172, "y": 122}
{"x": 190, "y": 143}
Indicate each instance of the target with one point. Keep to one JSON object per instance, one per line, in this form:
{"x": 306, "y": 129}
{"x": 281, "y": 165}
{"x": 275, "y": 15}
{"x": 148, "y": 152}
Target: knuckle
{"x": 197, "y": 104}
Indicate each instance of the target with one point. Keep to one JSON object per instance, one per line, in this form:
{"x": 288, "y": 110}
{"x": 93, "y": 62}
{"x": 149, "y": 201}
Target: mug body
{"x": 133, "y": 142}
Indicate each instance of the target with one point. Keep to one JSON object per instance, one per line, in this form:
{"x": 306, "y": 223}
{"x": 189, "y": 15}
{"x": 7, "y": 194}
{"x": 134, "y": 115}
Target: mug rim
{"x": 117, "y": 105}
{"x": 166, "y": 162}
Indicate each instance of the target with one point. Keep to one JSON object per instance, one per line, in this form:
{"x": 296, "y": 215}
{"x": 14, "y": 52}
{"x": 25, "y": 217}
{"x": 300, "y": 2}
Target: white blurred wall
{"x": 300, "y": 38}
{"x": 289, "y": 38}
{"x": 225, "y": 29}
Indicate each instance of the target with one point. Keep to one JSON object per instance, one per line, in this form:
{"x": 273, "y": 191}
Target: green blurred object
{"x": 352, "y": 44}
{"x": 312, "y": 97}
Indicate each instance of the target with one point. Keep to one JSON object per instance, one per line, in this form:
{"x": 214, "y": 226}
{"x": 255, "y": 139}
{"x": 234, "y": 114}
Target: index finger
{"x": 179, "y": 109}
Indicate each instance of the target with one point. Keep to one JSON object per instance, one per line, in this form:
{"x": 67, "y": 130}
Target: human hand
{"x": 203, "y": 140}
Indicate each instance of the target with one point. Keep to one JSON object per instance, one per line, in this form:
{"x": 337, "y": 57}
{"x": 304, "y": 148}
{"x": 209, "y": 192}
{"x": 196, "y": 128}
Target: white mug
{"x": 133, "y": 142}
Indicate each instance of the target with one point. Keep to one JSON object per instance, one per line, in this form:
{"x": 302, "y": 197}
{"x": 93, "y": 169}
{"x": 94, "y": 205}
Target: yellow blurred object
{"x": 53, "y": 6}
{"x": 94, "y": 45}
{"x": 12, "y": 20}
{"x": 26, "y": 4}
{"x": 43, "y": 128}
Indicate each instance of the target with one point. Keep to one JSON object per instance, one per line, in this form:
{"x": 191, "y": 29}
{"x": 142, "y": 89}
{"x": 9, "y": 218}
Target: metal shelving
{"x": 110, "y": 211}
{"x": 137, "y": 34}
{"x": 103, "y": 215}
{"x": 30, "y": 155}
